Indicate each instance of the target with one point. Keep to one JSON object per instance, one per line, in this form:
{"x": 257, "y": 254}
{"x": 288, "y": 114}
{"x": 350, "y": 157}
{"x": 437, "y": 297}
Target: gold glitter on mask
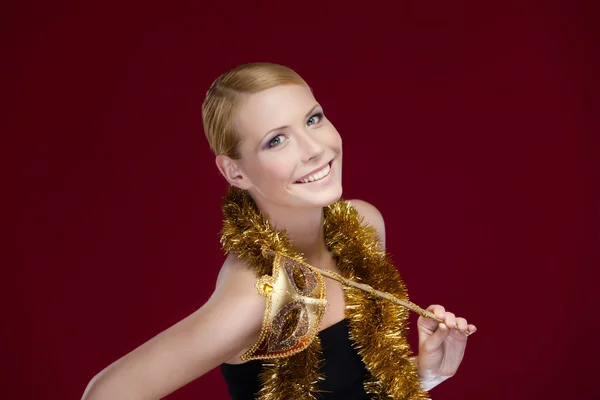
{"x": 295, "y": 295}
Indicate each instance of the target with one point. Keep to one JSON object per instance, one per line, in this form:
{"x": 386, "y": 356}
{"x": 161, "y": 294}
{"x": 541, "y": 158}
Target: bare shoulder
{"x": 236, "y": 274}
{"x": 371, "y": 216}
{"x": 237, "y": 280}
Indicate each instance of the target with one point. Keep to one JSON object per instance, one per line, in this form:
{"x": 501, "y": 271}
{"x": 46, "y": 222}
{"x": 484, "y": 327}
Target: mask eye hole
{"x": 290, "y": 323}
{"x": 301, "y": 277}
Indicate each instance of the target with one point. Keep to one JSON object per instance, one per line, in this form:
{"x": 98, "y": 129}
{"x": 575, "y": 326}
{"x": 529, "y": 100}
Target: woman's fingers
{"x": 434, "y": 341}
{"x": 430, "y": 324}
{"x": 471, "y": 328}
{"x": 438, "y": 310}
{"x": 461, "y": 325}
{"x": 451, "y": 321}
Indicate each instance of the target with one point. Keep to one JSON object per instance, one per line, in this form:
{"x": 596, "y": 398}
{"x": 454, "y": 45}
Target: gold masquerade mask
{"x": 295, "y": 304}
{"x": 295, "y": 295}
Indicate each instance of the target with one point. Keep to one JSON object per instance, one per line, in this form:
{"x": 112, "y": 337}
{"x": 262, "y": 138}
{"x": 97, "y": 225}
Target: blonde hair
{"x": 223, "y": 98}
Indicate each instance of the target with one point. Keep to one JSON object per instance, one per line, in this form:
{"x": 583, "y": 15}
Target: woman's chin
{"x": 336, "y": 195}
{"x": 324, "y": 197}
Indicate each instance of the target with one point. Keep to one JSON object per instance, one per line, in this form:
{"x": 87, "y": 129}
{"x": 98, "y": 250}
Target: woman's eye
{"x": 315, "y": 119}
{"x": 277, "y": 140}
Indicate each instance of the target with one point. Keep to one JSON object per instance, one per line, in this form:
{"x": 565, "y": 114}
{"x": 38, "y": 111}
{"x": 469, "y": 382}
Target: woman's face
{"x": 291, "y": 155}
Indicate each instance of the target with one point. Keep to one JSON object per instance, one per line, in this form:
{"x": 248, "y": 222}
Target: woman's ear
{"x": 232, "y": 172}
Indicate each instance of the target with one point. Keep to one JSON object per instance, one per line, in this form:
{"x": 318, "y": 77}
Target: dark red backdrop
{"x": 460, "y": 123}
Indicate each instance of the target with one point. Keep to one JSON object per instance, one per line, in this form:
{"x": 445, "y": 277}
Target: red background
{"x": 461, "y": 123}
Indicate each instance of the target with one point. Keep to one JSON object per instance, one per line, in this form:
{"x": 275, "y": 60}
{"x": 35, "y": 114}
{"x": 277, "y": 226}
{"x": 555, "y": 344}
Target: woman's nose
{"x": 311, "y": 147}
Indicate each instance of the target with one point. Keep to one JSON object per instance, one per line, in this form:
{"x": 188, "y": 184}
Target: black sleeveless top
{"x": 343, "y": 369}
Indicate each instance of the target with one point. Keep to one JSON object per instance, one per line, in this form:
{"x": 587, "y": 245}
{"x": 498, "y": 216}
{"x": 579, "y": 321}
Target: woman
{"x": 283, "y": 160}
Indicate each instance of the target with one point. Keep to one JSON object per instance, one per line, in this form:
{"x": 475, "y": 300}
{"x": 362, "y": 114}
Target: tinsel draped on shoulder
{"x": 378, "y": 328}
{"x": 247, "y": 233}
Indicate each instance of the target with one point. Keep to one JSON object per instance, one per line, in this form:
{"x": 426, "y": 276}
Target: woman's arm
{"x": 228, "y": 323}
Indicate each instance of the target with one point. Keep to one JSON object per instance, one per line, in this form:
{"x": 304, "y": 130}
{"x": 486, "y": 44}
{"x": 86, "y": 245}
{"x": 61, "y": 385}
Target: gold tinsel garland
{"x": 378, "y": 328}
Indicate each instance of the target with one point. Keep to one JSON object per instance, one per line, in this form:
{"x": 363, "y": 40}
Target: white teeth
{"x": 317, "y": 175}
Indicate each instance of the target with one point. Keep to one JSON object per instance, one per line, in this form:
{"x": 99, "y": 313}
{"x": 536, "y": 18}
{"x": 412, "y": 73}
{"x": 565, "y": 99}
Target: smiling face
{"x": 291, "y": 155}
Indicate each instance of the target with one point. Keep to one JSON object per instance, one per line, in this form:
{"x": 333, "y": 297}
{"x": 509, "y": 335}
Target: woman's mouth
{"x": 317, "y": 175}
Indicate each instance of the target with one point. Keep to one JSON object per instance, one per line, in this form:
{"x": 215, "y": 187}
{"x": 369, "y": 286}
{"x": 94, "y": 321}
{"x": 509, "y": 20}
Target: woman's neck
{"x": 304, "y": 229}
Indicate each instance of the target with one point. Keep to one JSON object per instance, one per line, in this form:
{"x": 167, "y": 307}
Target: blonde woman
{"x": 298, "y": 335}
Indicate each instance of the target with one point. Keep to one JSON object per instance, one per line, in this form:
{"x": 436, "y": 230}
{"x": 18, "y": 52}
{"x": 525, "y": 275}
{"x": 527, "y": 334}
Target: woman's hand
{"x": 441, "y": 346}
